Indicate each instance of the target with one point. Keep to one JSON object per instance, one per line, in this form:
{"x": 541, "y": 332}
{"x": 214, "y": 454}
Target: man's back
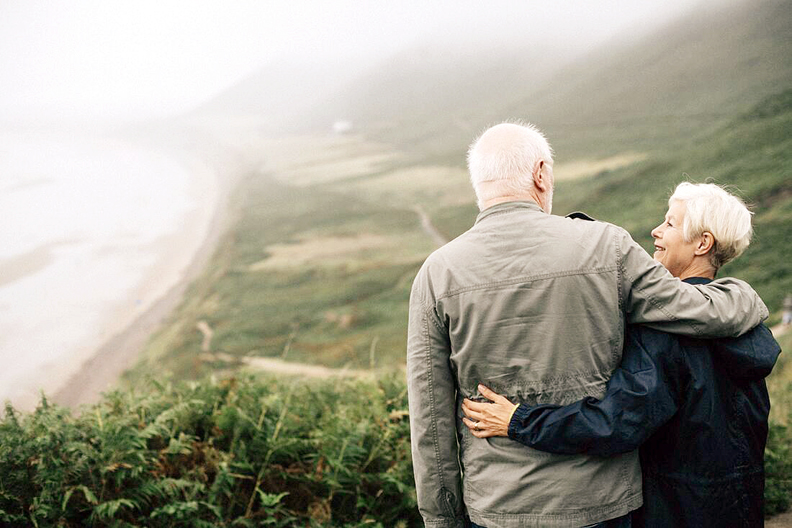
{"x": 531, "y": 303}
{"x": 531, "y": 306}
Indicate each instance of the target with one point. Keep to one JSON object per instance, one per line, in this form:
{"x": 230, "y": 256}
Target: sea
{"x": 93, "y": 230}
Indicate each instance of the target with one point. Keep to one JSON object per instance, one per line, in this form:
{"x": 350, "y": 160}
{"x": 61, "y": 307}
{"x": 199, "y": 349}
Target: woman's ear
{"x": 705, "y": 244}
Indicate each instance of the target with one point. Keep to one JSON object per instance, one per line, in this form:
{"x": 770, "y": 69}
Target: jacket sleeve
{"x": 749, "y": 357}
{"x": 643, "y": 393}
{"x": 432, "y": 398}
{"x": 651, "y": 295}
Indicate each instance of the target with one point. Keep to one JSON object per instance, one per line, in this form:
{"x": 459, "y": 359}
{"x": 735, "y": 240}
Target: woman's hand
{"x": 488, "y": 419}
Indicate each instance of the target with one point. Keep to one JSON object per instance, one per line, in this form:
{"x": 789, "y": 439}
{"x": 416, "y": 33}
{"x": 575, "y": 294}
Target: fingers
{"x": 488, "y": 419}
{"x": 490, "y": 394}
{"x": 476, "y": 429}
{"x": 467, "y": 408}
{"x": 476, "y": 406}
{"x": 470, "y": 424}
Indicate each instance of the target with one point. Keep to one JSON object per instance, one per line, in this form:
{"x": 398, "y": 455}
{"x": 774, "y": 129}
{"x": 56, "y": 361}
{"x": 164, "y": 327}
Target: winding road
{"x": 429, "y": 228}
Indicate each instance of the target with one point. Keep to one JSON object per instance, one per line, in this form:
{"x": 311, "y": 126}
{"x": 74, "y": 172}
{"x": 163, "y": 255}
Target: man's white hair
{"x": 708, "y": 207}
{"x": 502, "y": 159}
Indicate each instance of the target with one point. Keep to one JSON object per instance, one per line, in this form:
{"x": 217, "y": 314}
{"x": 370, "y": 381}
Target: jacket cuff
{"x": 517, "y": 419}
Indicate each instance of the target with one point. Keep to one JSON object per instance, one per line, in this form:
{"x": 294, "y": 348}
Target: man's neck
{"x": 510, "y": 198}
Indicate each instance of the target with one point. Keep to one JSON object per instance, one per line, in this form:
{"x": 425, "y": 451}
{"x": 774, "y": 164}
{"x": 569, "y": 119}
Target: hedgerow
{"x": 778, "y": 468}
{"x": 243, "y": 452}
{"x": 239, "y": 452}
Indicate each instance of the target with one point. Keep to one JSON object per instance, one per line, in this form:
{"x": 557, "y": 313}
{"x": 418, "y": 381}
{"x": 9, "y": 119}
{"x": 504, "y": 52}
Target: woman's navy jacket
{"x": 698, "y": 410}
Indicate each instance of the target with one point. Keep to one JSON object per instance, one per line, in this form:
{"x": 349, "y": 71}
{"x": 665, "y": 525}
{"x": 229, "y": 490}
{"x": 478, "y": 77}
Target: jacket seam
{"x": 563, "y": 515}
{"x": 433, "y": 413}
{"x": 504, "y": 211}
{"x": 685, "y": 477}
{"x": 427, "y": 312}
{"x": 571, "y": 376}
{"x": 620, "y": 270}
{"x": 432, "y": 403}
{"x": 527, "y": 278}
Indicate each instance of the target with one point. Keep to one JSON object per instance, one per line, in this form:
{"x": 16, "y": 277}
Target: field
{"x": 319, "y": 265}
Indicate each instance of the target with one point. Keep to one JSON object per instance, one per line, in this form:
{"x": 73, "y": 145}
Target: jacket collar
{"x": 507, "y": 207}
{"x": 697, "y": 280}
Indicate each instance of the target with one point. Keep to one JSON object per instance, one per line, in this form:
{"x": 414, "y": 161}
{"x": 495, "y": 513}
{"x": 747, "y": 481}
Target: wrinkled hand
{"x": 488, "y": 419}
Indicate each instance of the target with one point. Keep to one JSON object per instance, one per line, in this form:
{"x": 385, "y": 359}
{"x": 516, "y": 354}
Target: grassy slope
{"x": 665, "y": 89}
{"x": 321, "y": 271}
{"x": 318, "y": 272}
{"x": 750, "y": 153}
{"x": 639, "y": 94}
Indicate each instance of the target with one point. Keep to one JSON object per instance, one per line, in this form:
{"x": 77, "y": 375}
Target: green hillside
{"x": 638, "y": 93}
{"x": 319, "y": 266}
{"x": 699, "y": 71}
{"x": 751, "y": 153}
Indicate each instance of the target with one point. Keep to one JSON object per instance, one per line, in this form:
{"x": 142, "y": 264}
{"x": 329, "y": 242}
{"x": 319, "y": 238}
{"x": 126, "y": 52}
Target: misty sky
{"x": 140, "y": 58}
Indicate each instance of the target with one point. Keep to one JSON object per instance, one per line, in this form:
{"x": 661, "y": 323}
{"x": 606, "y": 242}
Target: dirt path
{"x": 780, "y": 521}
{"x": 279, "y": 366}
{"x": 780, "y": 329}
{"x": 429, "y": 228}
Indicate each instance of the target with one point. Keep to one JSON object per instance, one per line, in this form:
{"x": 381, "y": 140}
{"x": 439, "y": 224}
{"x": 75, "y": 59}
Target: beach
{"x": 101, "y": 238}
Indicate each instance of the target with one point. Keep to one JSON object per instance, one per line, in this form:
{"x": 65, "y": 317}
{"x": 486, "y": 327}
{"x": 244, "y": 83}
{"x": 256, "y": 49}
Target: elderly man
{"x": 534, "y": 306}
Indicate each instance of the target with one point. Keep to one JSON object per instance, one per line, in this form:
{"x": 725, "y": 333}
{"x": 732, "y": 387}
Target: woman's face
{"x": 671, "y": 250}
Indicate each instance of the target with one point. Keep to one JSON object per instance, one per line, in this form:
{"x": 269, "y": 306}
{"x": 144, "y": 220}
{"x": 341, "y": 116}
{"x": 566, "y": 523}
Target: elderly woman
{"x": 697, "y": 408}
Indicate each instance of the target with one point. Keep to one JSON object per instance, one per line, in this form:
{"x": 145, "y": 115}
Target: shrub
{"x": 241, "y": 452}
{"x": 778, "y": 469}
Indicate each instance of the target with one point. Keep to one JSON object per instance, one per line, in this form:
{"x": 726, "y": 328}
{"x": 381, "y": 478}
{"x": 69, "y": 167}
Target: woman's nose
{"x": 656, "y": 232}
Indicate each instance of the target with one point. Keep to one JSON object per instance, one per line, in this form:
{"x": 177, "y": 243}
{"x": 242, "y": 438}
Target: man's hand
{"x": 488, "y": 419}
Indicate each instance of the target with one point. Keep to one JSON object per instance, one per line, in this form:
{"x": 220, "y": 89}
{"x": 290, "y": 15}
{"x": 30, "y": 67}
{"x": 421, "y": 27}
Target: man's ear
{"x": 705, "y": 243}
{"x": 540, "y": 177}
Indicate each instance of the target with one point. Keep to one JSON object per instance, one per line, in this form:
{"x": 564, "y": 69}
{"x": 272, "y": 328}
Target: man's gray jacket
{"x": 534, "y": 306}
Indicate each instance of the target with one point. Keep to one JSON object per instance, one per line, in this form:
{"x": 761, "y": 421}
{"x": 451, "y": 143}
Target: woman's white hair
{"x": 708, "y": 207}
{"x": 502, "y": 159}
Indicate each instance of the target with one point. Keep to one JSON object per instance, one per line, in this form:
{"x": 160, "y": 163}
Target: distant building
{"x": 342, "y": 127}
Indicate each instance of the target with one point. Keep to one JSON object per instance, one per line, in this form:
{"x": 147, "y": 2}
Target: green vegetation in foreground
{"x": 241, "y": 452}
{"x": 778, "y": 453}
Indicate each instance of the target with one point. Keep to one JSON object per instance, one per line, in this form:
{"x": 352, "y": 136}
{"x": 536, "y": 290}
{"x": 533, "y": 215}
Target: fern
{"x": 240, "y": 452}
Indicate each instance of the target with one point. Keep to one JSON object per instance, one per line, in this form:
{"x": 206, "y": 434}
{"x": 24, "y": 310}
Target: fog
{"x": 93, "y": 60}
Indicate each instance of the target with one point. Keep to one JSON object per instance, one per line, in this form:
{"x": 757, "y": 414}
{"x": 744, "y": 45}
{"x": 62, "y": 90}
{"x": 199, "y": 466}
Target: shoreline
{"x": 101, "y": 371}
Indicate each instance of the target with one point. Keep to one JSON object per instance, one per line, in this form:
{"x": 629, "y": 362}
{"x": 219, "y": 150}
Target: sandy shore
{"x": 102, "y": 371}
